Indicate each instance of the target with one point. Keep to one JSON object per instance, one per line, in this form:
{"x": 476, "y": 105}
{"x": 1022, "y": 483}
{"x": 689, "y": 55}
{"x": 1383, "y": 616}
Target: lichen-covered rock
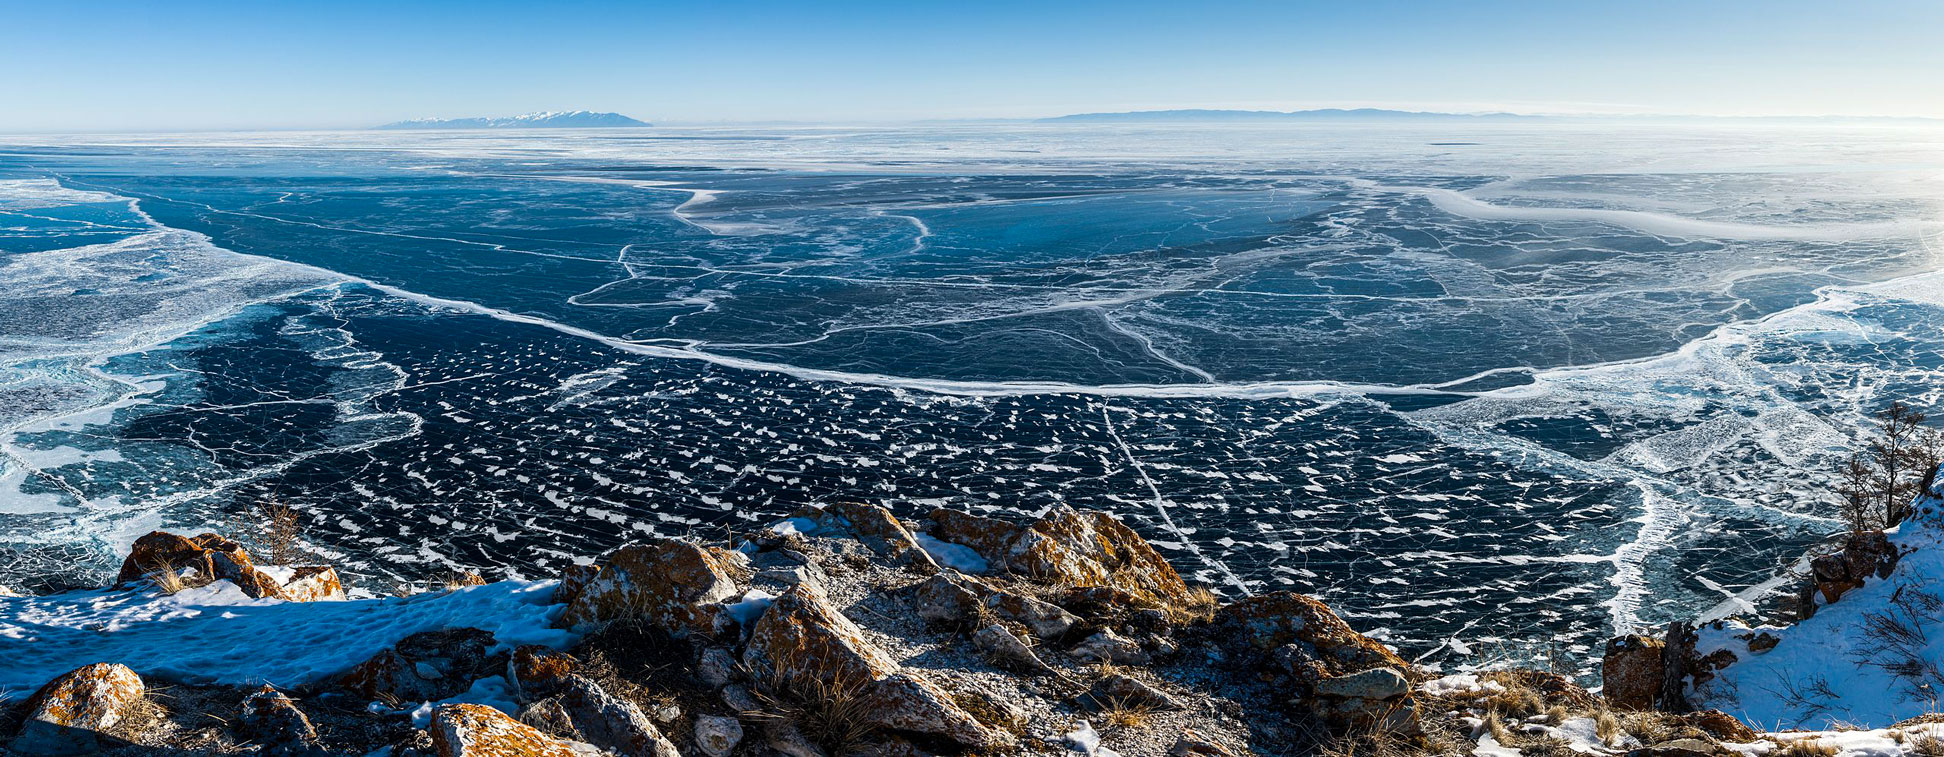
{"x": 72, "y": 713}
{"x": 538, "y": 672}
{"x": 804, "y": 646}
{"x": 1301, "y": 636}
{"x": 162, "y": 552}
{"x": 716, "y": 735}
{"x": 612, "y": 723}
{"x": 670, "y": 583}
{"x": 426, "y": 666}
{"x": 475, "y": 730}
{"x": 1069, "y": 547}
{"x": 1632, "y": 672}
{"x": 1375, "y": 698}
{"x": 271, "y": 719}
{"x": 314, "y": 583}
{"x": 208, "y": 554}
{"x": 876, "y": 528}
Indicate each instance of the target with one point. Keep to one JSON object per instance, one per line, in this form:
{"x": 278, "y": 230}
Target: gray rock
{"x": 949, "y": 598}
{"x": 612, "y": 723}
{"x": 271, "y": 719}
{"x": 1107, "y": 646}
{"x": 739, "y": 698}
{"x": 1375, "y": 684}
{"x": 1007, "y": 651}
{"x": 1047, "y": 620}
{"x": 716, "y": 735}
{"x": 717, "y": 667}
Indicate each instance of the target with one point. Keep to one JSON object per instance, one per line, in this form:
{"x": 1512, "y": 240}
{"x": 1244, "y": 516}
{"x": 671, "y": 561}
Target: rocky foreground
{"x": 840, "y": 631}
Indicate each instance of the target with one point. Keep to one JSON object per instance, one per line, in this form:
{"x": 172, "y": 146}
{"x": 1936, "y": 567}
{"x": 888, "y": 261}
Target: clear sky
{"x": 145, "y": 64}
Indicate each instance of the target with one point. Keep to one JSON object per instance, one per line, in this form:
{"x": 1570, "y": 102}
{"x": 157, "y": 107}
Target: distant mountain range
{"x": 578, "y": 119}
{"x": 1325, "y": 114}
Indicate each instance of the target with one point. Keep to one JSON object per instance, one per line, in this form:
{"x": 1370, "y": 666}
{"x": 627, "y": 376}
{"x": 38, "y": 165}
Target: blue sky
{"x": 140, "y": 64}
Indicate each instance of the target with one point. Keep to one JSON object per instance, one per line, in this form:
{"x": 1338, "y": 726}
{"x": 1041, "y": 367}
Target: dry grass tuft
{"x": 170, "y": 579}
{"x": 1804, "y": 748}
{"x": 828, "y": 705}
{"x": 1607, "y": 726}
{"x": 1926, "y": 744}
{"x": 1199, "y": 607}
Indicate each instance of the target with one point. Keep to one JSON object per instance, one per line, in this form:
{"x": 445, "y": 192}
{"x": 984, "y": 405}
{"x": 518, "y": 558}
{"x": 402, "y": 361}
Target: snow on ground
{"x": 1837, "y": 667}
{"x": 216, "y": 634}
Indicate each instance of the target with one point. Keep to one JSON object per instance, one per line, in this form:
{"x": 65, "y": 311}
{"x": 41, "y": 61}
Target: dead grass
{"x": 1199, "y": 607}
{"x": 1804, "y": 748}
{"x": 827, "y": 705}
{"x": 169, "y": 579}
{"x": 1926, "y": 745}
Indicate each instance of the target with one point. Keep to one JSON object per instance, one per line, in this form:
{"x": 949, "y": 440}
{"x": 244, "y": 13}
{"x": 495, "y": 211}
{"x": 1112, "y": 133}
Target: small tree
{"x": 1898, "y": 457}
{"x": 1928, "y": 451}
{"x": 1858, "y": 488}
{"x": 282, "y": 529}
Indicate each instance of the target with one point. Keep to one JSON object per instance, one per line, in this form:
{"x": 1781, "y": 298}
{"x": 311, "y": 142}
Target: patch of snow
{"x": 1460, "y": 683}
{"x": 217, "y": 634}
{"x": 494, "y": 692}
{"x": 955, "y": 556}
{"x": 1826, "y": 670}
{"x": 752, "y": 606}
{"x": 1086, "y": 740}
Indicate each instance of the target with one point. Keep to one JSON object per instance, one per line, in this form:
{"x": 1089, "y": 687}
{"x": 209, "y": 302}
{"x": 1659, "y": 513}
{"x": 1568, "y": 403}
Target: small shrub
{"x": 282, "y": 529}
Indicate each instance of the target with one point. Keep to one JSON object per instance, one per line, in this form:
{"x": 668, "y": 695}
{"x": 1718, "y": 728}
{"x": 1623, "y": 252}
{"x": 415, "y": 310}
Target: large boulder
{"x": 209, "y": 555}
{"x": 426, "y": 666}
{"x": 476, "y": 730}
{"x": 1633, "y": 672}
{"x": 73, "y": 713}
{"x": 1300, "y": 636}
{"x": 673, "y": 584}
{"x": 1079, "y": 548}
{"x": 313, "y": 583}
{"x": 803, "y": 647}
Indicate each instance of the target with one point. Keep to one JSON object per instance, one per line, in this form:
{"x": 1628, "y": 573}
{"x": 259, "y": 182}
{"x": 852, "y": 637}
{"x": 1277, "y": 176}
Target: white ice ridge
{"x": 1658, "y": 224}
{"x": 218, "y": 634}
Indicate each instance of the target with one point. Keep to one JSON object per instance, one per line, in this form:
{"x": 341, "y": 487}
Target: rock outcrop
{"x": 1633, "y": 672}
{"x": 874, "y": 527}
{"x": 670, "y": 583}
{"x": 217, "y": 558}
{"x": 1079, "y": 548}
{"x": 804, "y": 646}
{"x": 74, "y": 713}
